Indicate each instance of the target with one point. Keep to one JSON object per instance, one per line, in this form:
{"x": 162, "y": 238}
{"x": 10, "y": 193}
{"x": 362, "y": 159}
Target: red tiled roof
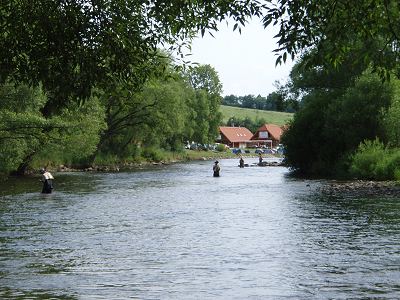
{"x": 274, "y": 131}
{"x": 236, "y": 134}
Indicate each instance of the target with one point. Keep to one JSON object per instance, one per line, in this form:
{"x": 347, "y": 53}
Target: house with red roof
{"x": 268, "y": 135}
{"x": 235, "y": 137}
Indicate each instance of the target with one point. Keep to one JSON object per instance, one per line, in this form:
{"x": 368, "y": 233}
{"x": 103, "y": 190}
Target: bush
{"x": 397, "y": 174}
{"x": 153, "y": 154}
{"x": 106, "y": 159}
{"x": 375, "y": 162}
{"x": 221, "y": 148}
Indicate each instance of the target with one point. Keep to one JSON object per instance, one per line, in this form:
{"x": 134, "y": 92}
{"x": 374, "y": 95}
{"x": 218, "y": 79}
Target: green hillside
{"x": 274, "y": 117}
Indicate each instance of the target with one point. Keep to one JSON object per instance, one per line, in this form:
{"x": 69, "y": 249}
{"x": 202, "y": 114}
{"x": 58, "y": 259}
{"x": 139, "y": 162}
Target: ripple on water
{"x": 178, "y": 233}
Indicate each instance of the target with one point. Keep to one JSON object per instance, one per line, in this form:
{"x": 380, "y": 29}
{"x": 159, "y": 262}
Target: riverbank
{"x": 114, "y": 164}
{"x": 169, "y": 158}
{"x": 362, "y": 188}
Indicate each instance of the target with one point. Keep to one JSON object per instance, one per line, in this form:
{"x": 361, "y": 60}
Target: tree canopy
{"x": 331, "y": 26}
{"x": 71, "y": 46}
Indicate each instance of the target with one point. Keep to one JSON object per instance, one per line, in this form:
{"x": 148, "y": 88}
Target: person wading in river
{"x": 241, "y": 162}
{"x": 216, "y": 169}
{"x": 260, "y": 159}
{"x": 47, "y": 180}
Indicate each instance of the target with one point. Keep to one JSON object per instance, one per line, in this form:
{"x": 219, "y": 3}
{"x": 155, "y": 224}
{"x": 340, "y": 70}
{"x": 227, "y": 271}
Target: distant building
{"x": 235, "y": 137}
{"x": 267, "y": 135}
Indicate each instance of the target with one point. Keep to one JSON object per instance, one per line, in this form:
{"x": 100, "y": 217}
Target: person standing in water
{"x": 241, "y": 162}
{"x": 47, "y": 180}
{"x": 260, "y": 159}
{"x": 216, "y": 169}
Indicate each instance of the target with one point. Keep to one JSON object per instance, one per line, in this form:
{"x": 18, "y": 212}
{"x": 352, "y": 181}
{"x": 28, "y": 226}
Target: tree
{"x": 168, "y": 123}
{"x": 248, "y": 101}
{"x": 25, "y": 135}
{"x": 72, "y": 46}
{"x": 202, "y": 112}
{"x": 80, "y": 135}
{"x": 159, "y": 116}
{"x": 21, "y": 126}
{"x": 205, "y": 77}
{"x": 332, "y": 124}
{"x": 124, "y": 110}
{"x": 275, "y": 101}
{"x": 205, "y": 80}
{"x": 310, "y": 24}
{"x": 333, "y": 28}
{"x": 230, "y": 100}
{"x": 392, "y": 120}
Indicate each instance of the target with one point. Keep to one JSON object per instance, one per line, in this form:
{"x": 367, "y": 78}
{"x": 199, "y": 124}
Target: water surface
{"x": 175, "y": 232}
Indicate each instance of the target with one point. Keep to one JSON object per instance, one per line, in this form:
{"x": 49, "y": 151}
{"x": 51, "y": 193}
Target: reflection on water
{"x": 175, "y": 232}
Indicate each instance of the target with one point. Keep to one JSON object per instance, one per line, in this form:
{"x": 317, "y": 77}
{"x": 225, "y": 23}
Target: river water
{"x": 175, "y": 232}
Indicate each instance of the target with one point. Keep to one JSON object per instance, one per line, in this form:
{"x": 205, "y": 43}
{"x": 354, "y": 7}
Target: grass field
{"x": 274, "y": 117}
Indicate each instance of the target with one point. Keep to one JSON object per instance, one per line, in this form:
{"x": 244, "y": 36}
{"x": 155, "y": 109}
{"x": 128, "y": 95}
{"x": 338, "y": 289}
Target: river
{"x": 175, "y": 232}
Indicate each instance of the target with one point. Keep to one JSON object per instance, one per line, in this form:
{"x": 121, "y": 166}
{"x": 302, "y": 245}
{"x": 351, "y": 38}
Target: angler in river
{"x": 47, "y": 180}
{"x": 241, "y": 162}
{"x": 216, "y": 169}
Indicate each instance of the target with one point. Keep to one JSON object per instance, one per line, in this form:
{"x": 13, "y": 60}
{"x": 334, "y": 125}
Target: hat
{"x": 216, "y": 161}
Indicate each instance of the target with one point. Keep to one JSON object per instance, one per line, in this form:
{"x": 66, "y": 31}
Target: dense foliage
{"x": 72, "y": 46}
{"x": 26, "y": 134}
{"x": 205, "y": 81}
{"x": 330, "y": 26}
{"x": 341, "y": 106}
{"x": 334, "y": 121}
{"x": 115, "y": 122}
{"x": 374, "y": 161}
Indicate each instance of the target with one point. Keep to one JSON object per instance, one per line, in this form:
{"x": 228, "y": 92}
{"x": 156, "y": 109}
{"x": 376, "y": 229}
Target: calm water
{"x": 175, "y": 232}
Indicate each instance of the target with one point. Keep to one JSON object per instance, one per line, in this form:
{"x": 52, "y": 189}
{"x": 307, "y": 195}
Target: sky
{"x": 245, "y": 62}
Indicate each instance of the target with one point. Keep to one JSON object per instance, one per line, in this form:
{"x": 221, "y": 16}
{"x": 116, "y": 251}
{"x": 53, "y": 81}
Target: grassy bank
{"x": 200, "y": 155}
{"x": 274, "y": 117}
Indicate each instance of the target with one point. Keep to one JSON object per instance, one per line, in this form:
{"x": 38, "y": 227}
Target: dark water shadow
{"x": 35, "y": 295}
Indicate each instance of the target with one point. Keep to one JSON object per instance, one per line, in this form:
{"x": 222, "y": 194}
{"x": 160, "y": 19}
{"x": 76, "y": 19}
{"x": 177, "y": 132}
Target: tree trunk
{"x": 23, "y": 167}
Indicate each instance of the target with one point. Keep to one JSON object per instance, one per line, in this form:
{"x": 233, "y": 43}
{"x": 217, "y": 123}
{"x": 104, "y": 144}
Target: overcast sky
{"x": 245, "y": 62}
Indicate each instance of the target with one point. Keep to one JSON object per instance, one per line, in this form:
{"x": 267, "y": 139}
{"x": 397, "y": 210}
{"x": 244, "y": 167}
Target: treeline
{"x": 279, "y": 100}
{"x": 114, "y": 124}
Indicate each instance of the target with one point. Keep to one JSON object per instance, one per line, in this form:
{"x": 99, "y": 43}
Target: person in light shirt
{"x": 47, "y": 180}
